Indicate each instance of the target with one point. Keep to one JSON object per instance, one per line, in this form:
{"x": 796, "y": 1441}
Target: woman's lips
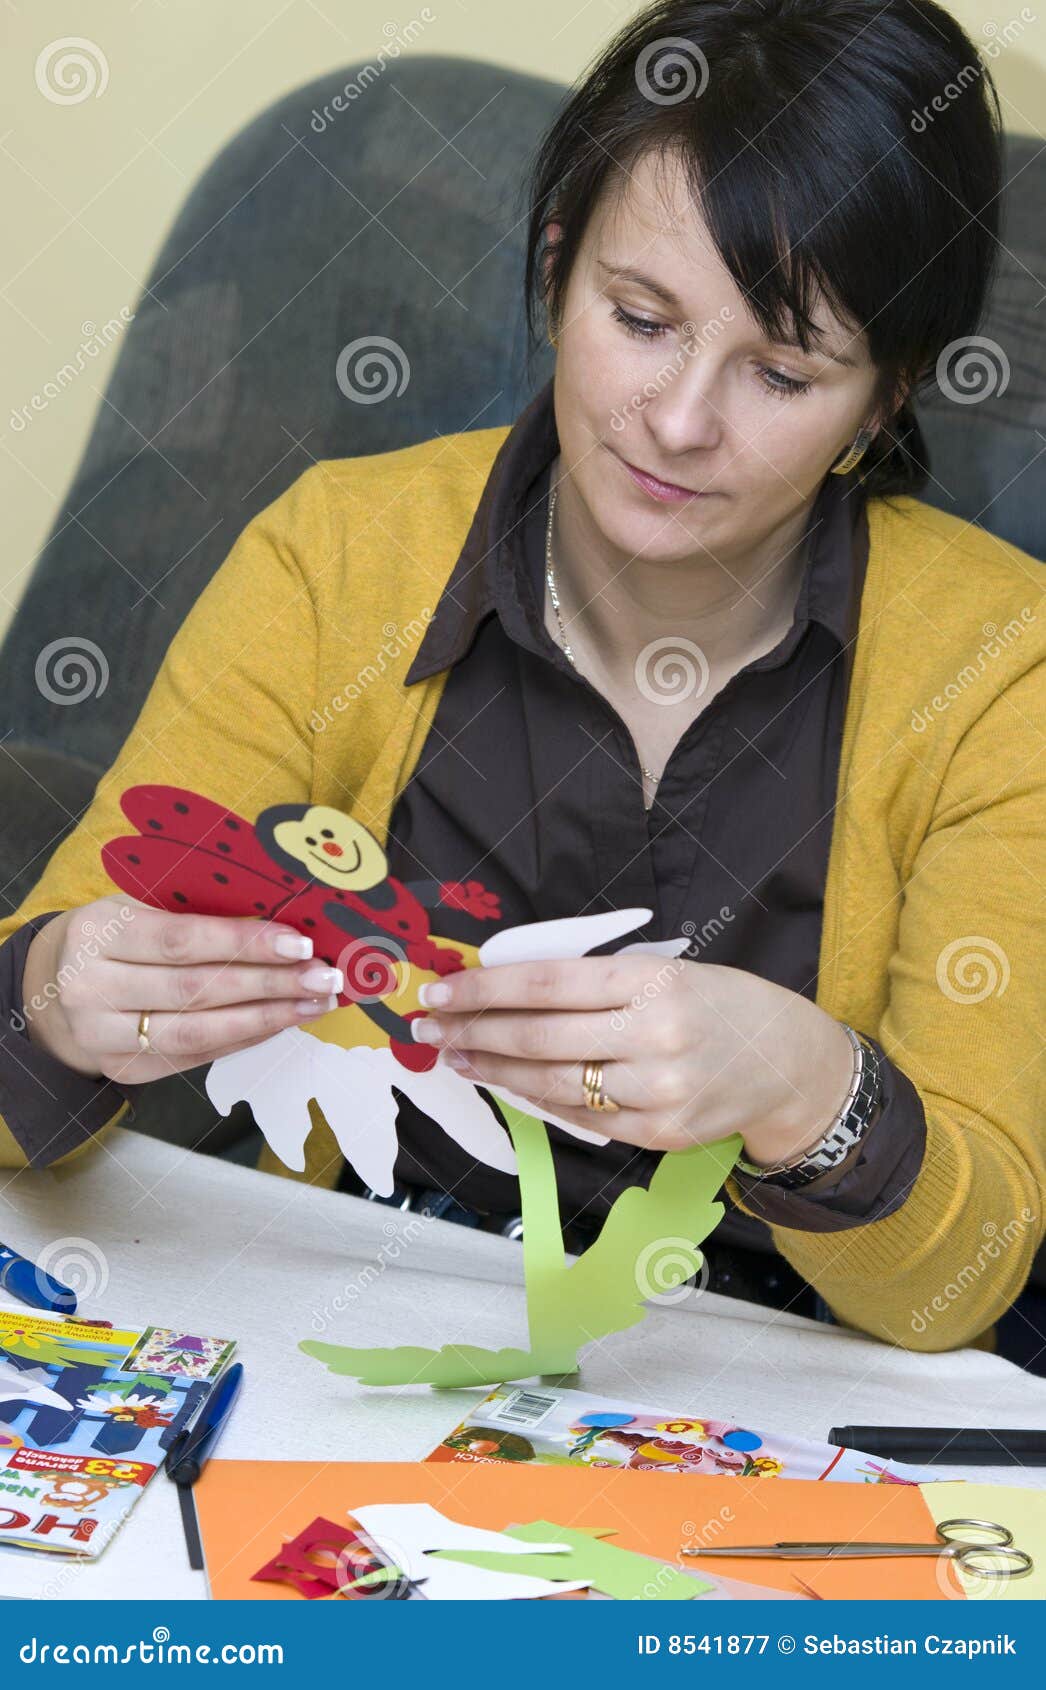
{"x": 666, "y": 491}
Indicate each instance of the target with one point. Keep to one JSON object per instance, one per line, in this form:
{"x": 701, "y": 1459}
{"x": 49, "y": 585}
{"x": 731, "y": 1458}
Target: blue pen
{"x": 30, "y": 1284}
{"x": 190, "y": 1450}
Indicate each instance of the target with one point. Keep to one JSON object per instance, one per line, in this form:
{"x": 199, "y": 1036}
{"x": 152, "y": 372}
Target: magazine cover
{"x": 565, "y": 1428}
{"x": 87, "y": 1414}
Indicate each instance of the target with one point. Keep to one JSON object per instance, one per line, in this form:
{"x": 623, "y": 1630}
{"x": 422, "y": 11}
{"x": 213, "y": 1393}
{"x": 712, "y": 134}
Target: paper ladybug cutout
{"x": 308, "y": 865}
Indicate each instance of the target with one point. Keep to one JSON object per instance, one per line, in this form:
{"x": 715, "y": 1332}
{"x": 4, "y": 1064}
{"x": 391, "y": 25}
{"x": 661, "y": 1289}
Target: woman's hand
{"x": 691, "y": 1051}
{"x": 212, "y": 984}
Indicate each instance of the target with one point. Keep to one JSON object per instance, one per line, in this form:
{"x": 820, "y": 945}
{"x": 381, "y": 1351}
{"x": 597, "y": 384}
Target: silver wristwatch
{"x": 857, "y": 1115}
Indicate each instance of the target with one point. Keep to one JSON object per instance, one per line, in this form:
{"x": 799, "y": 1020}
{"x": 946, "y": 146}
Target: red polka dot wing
{"x": 193, "y": 854}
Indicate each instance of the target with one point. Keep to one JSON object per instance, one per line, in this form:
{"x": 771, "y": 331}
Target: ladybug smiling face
{"x": 324, "y": 844}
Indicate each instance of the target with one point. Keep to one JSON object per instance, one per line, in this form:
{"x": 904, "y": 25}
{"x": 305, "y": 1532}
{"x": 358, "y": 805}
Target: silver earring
{"x": 861, "y": 443}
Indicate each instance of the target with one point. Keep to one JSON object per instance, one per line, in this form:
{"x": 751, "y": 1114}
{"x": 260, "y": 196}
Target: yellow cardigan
{"x": 285, "y": 684}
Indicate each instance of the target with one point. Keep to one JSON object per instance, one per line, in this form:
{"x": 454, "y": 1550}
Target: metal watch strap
{"x": 858, "y": 1113}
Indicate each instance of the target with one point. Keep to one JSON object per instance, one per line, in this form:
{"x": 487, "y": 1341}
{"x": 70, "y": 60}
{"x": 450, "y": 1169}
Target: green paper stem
{"x": 648, "y": 1244}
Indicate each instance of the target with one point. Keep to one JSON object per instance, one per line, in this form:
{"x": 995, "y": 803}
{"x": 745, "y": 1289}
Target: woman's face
{"x": 687, "y": 389}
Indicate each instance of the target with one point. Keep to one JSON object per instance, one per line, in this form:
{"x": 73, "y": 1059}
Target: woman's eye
{"x": 775, "y": 381}
{"x": 641, "y": 327}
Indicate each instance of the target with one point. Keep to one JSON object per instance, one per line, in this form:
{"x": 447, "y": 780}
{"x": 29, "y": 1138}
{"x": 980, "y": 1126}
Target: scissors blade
{"x": 820, "y": 1551}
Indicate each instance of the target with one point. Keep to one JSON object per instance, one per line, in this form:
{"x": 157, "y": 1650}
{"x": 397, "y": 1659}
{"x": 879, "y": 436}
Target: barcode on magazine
{"x": 523, "y": 1408}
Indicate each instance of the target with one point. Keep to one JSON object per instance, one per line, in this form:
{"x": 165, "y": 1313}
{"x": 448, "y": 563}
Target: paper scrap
{"x": 1022, "y": 1512}
{"x": 619, "y": 1573}
{"x": 410, "y": 1533}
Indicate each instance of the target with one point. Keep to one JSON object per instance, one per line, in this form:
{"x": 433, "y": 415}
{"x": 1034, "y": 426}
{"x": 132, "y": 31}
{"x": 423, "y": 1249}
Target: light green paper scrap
{"x": 621, "y": 1573}
{"x": 648, "y": 1244}
{"x": 1022, "y": 1511}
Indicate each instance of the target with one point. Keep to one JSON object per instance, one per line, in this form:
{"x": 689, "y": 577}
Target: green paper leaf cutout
{"x": 648, "y": 1245}
{"x": 620, "y": 1573}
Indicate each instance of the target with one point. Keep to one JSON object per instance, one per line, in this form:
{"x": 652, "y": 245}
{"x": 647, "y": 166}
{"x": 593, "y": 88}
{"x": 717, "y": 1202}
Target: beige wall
{"x": 90, "y": 188}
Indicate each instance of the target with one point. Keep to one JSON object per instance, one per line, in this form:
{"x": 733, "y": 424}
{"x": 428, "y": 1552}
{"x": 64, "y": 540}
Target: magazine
{"x": 572, "y": 1428}
{"x": 87, "y": 1415}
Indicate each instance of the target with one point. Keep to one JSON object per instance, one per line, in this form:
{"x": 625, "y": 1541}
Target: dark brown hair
{"x": 851, "y": 146}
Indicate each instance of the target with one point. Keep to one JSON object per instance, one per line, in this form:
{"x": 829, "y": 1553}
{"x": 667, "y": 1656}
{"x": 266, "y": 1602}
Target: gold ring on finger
{"x": 595, "y": 1096}
{"x": 143, "y": 1031}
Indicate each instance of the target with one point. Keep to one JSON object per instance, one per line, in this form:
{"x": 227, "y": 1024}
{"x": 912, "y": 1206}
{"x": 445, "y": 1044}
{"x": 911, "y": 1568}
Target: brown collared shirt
{"x": 528, "y": 782}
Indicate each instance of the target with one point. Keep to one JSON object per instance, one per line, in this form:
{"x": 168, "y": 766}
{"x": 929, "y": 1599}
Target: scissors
{"x": 968, "y": 1553}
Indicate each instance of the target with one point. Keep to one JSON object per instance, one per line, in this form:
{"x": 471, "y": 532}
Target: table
{"x": 187, "y": 1240}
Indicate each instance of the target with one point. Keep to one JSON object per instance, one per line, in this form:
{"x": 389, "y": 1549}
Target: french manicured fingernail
{"x": 426, "y": 1031}
{"x": 293, "y": 945}
{"x": 454, "y": 1059}
{"x": 318, "y": 1006}
{"x": 323, "y": 980}
{"x": 433, "y": 994}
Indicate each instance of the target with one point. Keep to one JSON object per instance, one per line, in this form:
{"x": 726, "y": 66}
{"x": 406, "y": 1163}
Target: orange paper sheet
{"x": 248, "y": 1508}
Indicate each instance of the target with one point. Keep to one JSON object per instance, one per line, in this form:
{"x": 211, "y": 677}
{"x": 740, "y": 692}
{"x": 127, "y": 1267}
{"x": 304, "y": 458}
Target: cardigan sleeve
{"x": 230, "y": 714}
{"x": 964, "y": 1018}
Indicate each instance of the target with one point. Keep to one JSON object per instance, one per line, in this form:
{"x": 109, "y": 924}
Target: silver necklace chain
{"x": 550, "y": 577}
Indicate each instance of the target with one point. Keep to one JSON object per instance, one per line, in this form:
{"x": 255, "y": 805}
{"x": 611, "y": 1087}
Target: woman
{"x": 683, "y": 638}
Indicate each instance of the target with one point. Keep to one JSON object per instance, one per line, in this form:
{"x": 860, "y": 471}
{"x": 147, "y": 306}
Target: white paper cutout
{"x": 353, "y": 1088}
{"x": 547, "y": 941}
{"x": 28, "y": 1385}
{"x": 406, "y": 1532}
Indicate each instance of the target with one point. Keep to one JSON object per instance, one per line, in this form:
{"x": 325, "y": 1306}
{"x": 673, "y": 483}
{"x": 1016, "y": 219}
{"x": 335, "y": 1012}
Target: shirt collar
{"x": 490, "y": 575}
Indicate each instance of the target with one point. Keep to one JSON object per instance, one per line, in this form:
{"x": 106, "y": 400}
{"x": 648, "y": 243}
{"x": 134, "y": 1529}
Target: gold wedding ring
{"x": 143, "y": 1031}
{"x": 595, "y": 1097}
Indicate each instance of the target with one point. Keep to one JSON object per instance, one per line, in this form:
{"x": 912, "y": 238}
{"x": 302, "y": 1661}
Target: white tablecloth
{"x": 191, "y": 1241}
